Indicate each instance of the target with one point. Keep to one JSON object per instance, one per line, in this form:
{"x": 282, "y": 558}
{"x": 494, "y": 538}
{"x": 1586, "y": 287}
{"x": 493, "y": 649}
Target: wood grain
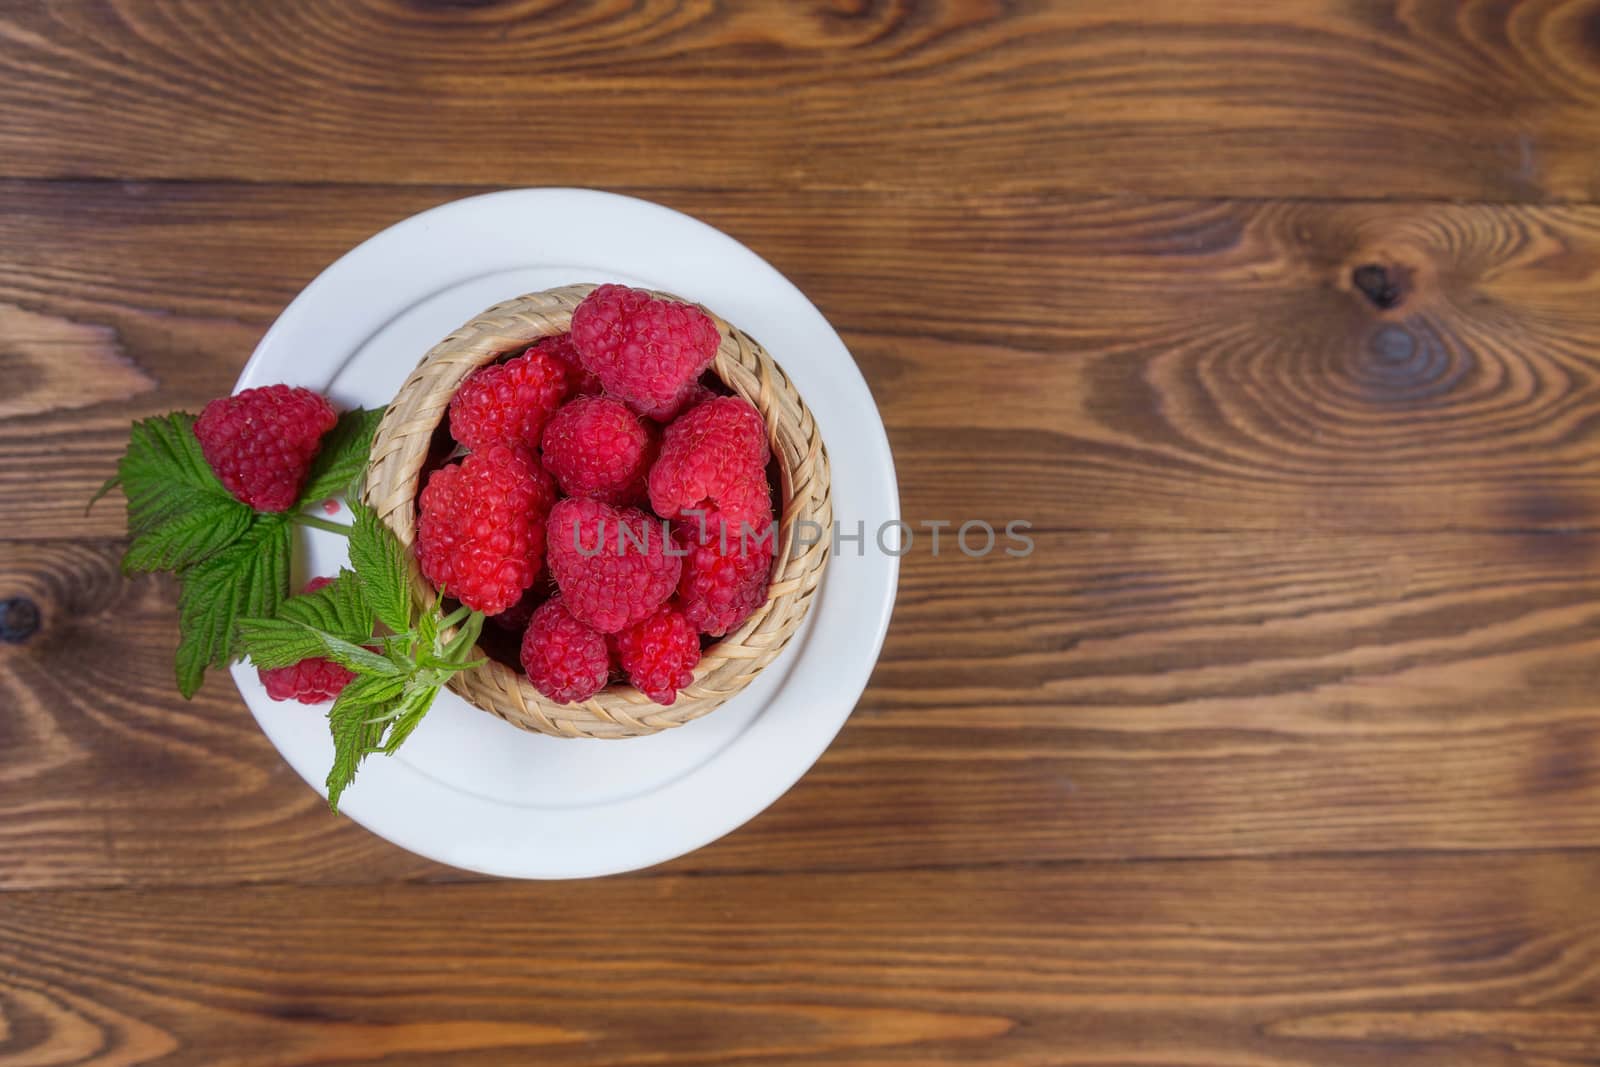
{"x": 1124, "y": 697}
{"x": 1178, "y": 365}
{"x": 1328, "y": 98}
{"x": 1281, "y": 749}
{"x": 108, "y": 777}
{"x": 1403, "y": 961}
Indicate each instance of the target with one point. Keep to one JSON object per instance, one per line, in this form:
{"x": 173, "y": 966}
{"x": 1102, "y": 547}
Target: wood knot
{"x": 1383, "y": 286}
{"x": 1393, "y": 344}
{"x": 19, "y": 620}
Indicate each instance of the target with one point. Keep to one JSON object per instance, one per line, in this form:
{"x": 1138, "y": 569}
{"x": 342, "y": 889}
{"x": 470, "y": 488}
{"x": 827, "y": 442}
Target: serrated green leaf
{"x": 281, "y": 642}
{"x": 401, "y": 654}
{"x": 248, "y": 579}
{"x": 428, "y": 628}
{"x": 354, "y": 736}
{"x": 274, "y": 643}
{"x": 342, "y": 457}
{"x": 409, "y": 713}
{"x": 380, "y": 563}
{"x": 178, "y": 513}
{"x": 358, "y": 659}
{"x": 209, "y": 525}
{"x": 339, "y": 608}
{"x": 163, "y": 468}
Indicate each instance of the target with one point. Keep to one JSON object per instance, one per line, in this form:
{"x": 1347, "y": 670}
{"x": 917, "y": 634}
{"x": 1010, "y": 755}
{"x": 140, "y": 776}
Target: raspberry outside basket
{"x": 401, "y": 446}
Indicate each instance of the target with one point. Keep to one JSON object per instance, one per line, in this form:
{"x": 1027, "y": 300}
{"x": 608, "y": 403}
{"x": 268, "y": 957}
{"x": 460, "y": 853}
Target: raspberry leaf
{"x": 207, "y": 527}
{"x": 272, "y": 643}
{"x": 178, "y": 512}
{"x": 343, "y": 456}
{"x": 340, "y": 608}
{"x": 357, "y": 721}
{"x": 358, "y": 659}
{"x": 408, "y": 715}
{"x": 248, "y": 578}
{"x": 397, "y": 677}
{"x": 380, "y": 563}
{"x": 278, "y": 643}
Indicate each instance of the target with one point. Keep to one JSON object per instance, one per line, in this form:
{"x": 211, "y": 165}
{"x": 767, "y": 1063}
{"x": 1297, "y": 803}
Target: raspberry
{"x": 480, "y": 527}
{"x": 560, "y": 346}
{"x": 261, "y": 442}
{"x": 659, "y": 654}
{"x": 508, "y": 403}
{"x": 689, "y": 396}
{"x": 714, "y": 460}
{"x": 612, "y": 564}
{"x": 515, "y": 618}
{"x": 566, "y": 660}
{"x": 643, "y": 349}
{"x": 720, "y": 589}
{"x": 596, "y": 447}
{"x": 311, "y": 681}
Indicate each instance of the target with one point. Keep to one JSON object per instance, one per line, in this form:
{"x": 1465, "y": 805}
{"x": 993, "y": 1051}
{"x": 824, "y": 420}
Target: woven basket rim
{"x": 400, "y": 448}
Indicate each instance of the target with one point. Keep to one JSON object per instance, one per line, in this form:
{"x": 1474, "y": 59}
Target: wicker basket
{"x": 401, "y": 447}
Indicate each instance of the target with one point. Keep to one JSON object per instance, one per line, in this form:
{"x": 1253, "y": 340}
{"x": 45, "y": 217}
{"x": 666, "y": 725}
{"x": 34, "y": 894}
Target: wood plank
{"x": 1324, "y": 98}
{"x": 1123, "y": 697}
{"x": 1404, "y": 961}
{"x": 108, "y": 776}
{"x": 1138, "y": 365}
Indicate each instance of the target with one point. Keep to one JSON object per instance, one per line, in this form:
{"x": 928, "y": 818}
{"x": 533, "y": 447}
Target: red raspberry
{"x": 612, "y": 564}
{"x": 480, "y": 527}
{"x": 720, "y": 588}
{"x": 508, "y": 403}
{"x": 596, "y": 447}
{"x": 714, "y": 460}
{"x": 643, "y": 349}
{"x": 689, "y": 396}
{"x": 659, "y": 654}
{"x": 261, "y": 442}
{"x": 515, "y": 618}
{"x": 566, "y": 660}
{"x": 560, "y": 346}
{"x": 311, "y": 681}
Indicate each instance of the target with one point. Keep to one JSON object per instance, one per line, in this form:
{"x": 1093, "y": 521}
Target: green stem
{"x": 454, "y": 617}
{"x": 302, "y": 519}
{"x": 465, "y": 638}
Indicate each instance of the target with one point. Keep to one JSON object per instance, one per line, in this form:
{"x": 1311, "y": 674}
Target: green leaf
{"x": 276, "y": 643}
{"x": 249, "y": 578}
{"x": 339, "y": 608}
{"x": 178, "y": 513}
{"x": 380, "y": 563}
{"x": 105, "y": 487}
{"x": 361, "y": 660}
{"x": 281, "y": 642}
{"x": 428, "y": 627}
{"x": 354, "y": 735}
{"x": 342, "y": 457}
{"x": 409, "y": 713}
{"x": 209, "y": 525}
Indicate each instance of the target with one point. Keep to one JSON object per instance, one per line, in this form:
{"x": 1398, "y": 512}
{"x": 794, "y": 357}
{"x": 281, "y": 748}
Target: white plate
{"x": 467, "y": 789}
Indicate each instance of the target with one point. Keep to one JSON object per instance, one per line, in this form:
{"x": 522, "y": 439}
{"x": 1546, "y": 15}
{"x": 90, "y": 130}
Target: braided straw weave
{"x": 402, "y": 443}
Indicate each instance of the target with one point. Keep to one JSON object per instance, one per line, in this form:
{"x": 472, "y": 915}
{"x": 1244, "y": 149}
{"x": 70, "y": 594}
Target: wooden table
{"x": 1281, "y": 324}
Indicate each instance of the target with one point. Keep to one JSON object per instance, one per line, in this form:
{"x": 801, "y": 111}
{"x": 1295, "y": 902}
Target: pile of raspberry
{"x": 606, "y": 499}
